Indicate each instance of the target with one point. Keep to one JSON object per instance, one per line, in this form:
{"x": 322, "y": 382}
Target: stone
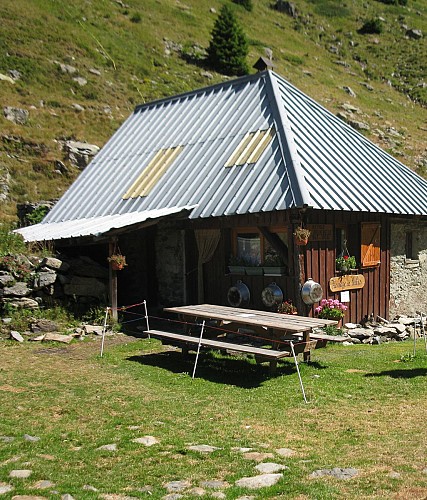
{"x": 66, "y": 68}
{"x": 43, "y": 484}
{"x": 214, "y": 484}
{"x": 16, "y": 336}
{"x": 19, "y": 289}
{"x": 56, "y": 264}
{"x": 394, "y": 475}
{"x": 5, "y": 488}
{"x": 23, "y": 303}
{"x": 88, "y": 487}
{"x": 246, "y": 497}
{"x": 270, "y": 467}
{"x": 414, "y": 34}
{"x": 86, "y": 267}
{"x": 261, "y": 481}
{"x": 95, "y": 71}
{"x": 146, "y": 440}
{"x": 206, "y": 74}
{"x": 286, "y": 7}
{"x": 256, "y": 455}
{"x": 108, "y": 447}
{"x": 16, "y": 115}
{"x": 351, "y": 326}
{"x": 6, "y": 279}
{"x": 80, "y": 80}
{"x": 336, "y": 472}
{"x": 218, "y": 494}
{"x": 285, "y": 452}
{"x": 349, "y": 91}
{"x": 85, "y": 287}
{"x": 360, "y": 333}
{"x": 172, "y": 496}
{"x": 20, "y": 473}
{"x": 6, "y": 78}
{"x": 32, "y": 439}
{"x": 44, "y": 325}
{"x": 80, "y": 153}
{"x": 6, "y": 439}
{"x": 175, "y": 486}
{"x": 78, "y": 107}
{"x": 203, "y": 448}
{"x": 15, "y": 74}
{"x": 57, "y": 337}
{"x": 197, "y": 492}
{"x": 92, "y": 329}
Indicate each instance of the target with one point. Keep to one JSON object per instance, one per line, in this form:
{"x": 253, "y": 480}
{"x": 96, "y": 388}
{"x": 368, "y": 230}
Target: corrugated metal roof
{"x": 313, "y": 159}
{"x": 93, "y": 226}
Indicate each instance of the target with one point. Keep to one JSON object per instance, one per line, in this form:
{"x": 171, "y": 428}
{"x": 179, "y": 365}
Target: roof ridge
{"x": 287, "y": 145}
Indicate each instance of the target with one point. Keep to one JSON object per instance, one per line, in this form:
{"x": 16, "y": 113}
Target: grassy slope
{"x": 127, "y": 45}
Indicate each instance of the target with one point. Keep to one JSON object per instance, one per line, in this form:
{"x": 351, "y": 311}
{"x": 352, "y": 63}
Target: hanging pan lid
{"x": 272, "y": 295}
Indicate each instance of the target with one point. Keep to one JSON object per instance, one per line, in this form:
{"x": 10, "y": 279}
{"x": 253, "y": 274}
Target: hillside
{"x": 79, "y": 68}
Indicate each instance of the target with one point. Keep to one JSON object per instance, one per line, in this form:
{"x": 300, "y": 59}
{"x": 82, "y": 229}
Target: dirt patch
{"x": 9, "y": 388}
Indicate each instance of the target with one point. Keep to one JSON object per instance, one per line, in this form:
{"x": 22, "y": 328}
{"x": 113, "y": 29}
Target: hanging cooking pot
{"x": 272, "y": 295}
{"x": 238, "y": 295}
{"x": 311, "y": 292}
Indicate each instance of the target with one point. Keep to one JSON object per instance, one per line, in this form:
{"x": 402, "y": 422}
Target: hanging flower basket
{"x": 301, "y": 235}
{"x": 117, "y": 261}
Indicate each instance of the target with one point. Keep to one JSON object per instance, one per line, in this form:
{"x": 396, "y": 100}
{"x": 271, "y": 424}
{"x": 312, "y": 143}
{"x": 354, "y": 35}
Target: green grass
{"x": 366, "y": 410}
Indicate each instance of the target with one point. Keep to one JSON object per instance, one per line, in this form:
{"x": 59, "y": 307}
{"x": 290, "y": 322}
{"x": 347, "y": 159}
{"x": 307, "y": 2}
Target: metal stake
{"x": 297, "y": 367}
{"x": 146, "y": 317}
{"x": 198, "y": 349}
{"x": 107, "y": 310}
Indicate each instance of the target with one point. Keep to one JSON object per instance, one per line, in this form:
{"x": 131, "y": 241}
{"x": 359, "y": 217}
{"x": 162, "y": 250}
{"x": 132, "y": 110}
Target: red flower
{"x": 345, "y": 257}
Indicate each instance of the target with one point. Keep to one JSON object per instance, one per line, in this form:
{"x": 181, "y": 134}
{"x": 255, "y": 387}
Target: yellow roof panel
{"x": 251, "y": 147}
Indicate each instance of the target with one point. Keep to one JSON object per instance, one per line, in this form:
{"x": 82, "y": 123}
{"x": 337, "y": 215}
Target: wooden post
{"x": 112, "y": 280}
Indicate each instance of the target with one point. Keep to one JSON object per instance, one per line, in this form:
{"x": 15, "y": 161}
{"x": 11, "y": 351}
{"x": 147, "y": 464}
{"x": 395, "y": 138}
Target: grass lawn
{"x": 366, "y": 410}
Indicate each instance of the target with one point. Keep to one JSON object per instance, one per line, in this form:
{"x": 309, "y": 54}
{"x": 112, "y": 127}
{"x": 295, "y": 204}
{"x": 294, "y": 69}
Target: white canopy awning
{"x": 94, "y": 226}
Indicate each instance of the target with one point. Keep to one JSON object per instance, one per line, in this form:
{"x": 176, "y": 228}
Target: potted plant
{"x": 331, "y": 309}
{"x": 287, "y": 308}
{"x": 253, "y": 266}
{"x": 117, "y": 261}
{"x": 301, "y": 235}
{"x": 236, "y": 265}
{"x": 346, "y": 263}
{"x": 273, "y": 265}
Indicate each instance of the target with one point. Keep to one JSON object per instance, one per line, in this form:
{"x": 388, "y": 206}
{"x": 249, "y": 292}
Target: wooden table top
{"x": 284, "y": 322}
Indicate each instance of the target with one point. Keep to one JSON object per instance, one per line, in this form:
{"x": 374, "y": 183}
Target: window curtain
{"x": 207, "y": 241}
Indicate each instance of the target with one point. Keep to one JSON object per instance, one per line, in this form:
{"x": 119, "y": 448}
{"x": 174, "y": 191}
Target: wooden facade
{"x": 316, "y": 260}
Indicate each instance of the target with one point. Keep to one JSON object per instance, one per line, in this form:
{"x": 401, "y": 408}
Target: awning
{"x": 93, "y": 226}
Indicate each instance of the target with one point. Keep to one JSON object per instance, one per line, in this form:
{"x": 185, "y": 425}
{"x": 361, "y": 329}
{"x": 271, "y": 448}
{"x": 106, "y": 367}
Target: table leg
{"x": 306, "y": 340}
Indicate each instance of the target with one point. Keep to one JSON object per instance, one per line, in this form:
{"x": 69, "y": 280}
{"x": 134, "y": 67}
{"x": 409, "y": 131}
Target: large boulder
{"x": 85, "y": 287}
{"x": 80, "y": 153}
{"x": 16, "y": 115}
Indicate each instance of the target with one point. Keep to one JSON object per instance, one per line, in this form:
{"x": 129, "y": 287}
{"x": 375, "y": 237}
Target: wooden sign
{"x": 321, "y": 232}
{"x": 347, "y": 282}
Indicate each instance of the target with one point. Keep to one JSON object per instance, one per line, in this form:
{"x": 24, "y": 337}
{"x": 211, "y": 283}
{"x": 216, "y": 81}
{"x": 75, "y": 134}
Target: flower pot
{"x": 254, "y": 271}
{"x": 273, "y": 270}
{"x": 301, "y": 241}
{"x": 115, "y": 266}
{"x": 236, "y": 269}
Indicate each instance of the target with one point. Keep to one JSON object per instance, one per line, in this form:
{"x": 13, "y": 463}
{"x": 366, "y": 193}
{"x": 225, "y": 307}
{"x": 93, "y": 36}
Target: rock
{"x": 88, "y": 487}
{"x": 78, "y": 107}
{"x": 5, "y": 488}
{"x": 394, "y": 475}
{"x": 80, "y": 80}
{"x": 44, "y": 279}
{"x": 357, "y": 125}
{"x": 61, "y": 168}
{"x": 44, "y": 325}
{"x": 80, "y": 153}
{"x": 146, "y": 440}
{"x": 197, "y": 492}
{"x": 6, "y": 279}
{"x": 261, "y": 481}
{"x": 414, "y": 34}
{"x": 15, "y": 74}
{"x": 16, "y": 115}
{"x": 108, "y": 447}
{"x": 349, "y": 91}
{"x": 6, "y": 439}
{"x": 32, "y": 439}
{"x": 40, "y": 338}
{"x": 335, "y": 472}
{"x": 43, "y": 485}
{"x": 23, "y": 303}
{"x": 96, "y": 329}
{"x": 360, "y": 333}
{"x": 20, "y": 473}
{"x": 203, "y": 448}
{"x": 95, "y": 71}
{"x": 57, "y": 337}
{"x": 351, "y": 326}
{"x": 286, "y": 7}
{"x": 214, "y": 484}
{"x": 66, "y": 68}
{"x": 206, "y": 74}
{"x": 16, "y": 336}
{"x": 218, "y": 494}
{"x": 270, "y": 467}
{"x": 175, "y": 486}
{"x": 172, "y": 496}
{"x": 6, "y": 78}
{"x": 19, "y": 289}
{"x": 259, "y": 457}
{"x": 285, "y": 452}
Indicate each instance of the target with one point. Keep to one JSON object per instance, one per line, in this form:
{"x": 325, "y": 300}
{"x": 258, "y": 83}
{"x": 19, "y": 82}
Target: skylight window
{"x": 153, "y": 172}
{"x": 251, "y": 147}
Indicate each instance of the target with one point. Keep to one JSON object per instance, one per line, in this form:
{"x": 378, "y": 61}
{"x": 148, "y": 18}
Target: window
{"x": 370, "y": 244}
{"x": 250, "y": 245}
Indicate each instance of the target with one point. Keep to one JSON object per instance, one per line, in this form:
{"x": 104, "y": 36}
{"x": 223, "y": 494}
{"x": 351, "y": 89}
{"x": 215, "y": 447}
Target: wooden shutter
{"x": 370, "y": 254}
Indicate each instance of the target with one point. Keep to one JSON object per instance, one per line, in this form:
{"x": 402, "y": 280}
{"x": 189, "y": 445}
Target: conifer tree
{"x": 228, "y": 48}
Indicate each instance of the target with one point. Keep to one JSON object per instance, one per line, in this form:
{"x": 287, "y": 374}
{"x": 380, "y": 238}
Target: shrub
{"x": 136, "y": 18}
{"x": 228, "y": 48}
{"x": 372, "y": 26}
{"x": 394, "y": 2}
{"x": 247, "y": 4}
{"x": 38, "y": 214}
{"x": 10, "y": 242}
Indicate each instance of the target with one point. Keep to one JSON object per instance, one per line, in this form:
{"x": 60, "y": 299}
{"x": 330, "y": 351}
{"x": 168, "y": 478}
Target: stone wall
{"x": 408, "y": 276}
{"x": 170, "y": 261}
